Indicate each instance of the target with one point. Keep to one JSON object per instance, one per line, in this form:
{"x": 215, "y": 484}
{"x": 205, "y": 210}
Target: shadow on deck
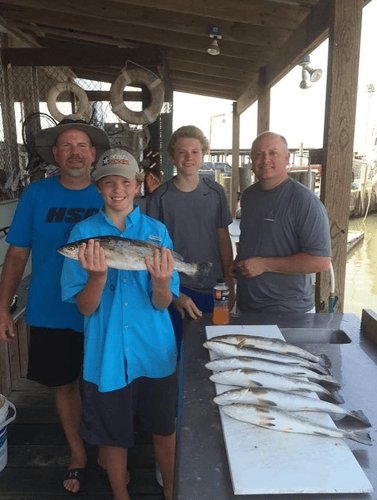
{"x": 38, "y": 455}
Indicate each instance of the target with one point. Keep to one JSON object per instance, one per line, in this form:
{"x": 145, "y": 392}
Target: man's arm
{"x": 14, "y": 265}
{"x": 298, "y": 263}
{"x": 226, "y": 257}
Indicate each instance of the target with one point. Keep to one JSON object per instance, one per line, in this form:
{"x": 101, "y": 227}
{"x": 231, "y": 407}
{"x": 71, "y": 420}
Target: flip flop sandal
{"x": 79, "y": 474}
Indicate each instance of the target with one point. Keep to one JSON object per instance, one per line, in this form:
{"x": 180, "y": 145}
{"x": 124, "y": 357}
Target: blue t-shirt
{"x": 45, "y": 215}
{"x": 126, "y": 337}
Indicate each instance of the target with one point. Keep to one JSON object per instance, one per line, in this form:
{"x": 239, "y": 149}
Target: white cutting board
{"x": 263, "y": 461}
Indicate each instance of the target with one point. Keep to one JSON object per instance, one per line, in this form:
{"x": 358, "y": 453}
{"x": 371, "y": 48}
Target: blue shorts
{"x": 55, "y": 355}
{"x": 204, "y": 302}
{"x": 108, "y": 417}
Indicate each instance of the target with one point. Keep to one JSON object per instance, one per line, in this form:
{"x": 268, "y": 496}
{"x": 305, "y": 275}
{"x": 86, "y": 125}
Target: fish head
{"x": 71, "y": 250}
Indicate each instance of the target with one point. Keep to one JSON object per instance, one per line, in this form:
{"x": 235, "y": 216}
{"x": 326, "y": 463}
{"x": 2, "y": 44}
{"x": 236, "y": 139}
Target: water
{"x": 361, "y": 269}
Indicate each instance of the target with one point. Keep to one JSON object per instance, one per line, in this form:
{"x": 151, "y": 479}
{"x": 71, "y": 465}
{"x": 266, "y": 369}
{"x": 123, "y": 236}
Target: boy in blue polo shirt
{"x": 129, "y": 351}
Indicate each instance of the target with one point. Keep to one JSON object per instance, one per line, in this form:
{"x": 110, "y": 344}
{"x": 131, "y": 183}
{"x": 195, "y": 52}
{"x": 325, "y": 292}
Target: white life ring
{"x": 137, "y": 77}
{"x": 80, "y": 93}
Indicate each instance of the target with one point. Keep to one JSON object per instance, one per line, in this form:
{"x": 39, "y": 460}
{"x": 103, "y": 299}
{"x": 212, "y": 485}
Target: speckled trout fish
{"x": 223, "y": 364}
{"x": 243, "y": 377}
{"x": 268, "y": 344}
{"x": 284, "y": 421}
{"x": 129, "y": 255}
{"x": 286, "y": 400}
{"x": 226, "y": 350}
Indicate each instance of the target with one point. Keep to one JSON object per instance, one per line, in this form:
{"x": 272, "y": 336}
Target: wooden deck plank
{"x": 38, "y": 454}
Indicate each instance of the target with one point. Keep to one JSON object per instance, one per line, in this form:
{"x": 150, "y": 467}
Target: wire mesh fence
{"x": 27, "y": 107}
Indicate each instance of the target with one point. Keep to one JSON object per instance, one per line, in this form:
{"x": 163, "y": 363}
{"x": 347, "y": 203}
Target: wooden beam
{"x": 218, "y": 62}
{"x": 248, "y": 97}
{"x": 28, "y": 40}
{"x": 55, "y": 56}
{"x": 253, "y": 12}
{"x": 177, "y": 87}
{"x": 156, "y": 18}
{"x": 204, "y": 86}
{"x": 65, "y": 36}
{"x": 235, "y": 160}
{"x": 263, "y": 103}
{"x": 260, "y": 13}
{"x": 369, "y": 324}
{"x": 156, "y": 36}
{"x": 202, "y": 69}
{"x": 343, "y": 68}
{"x": 210, "y": 80}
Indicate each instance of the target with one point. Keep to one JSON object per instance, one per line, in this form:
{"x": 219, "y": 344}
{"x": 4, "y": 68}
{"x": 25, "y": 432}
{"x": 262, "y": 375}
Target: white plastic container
{"x": 4, "y": 421}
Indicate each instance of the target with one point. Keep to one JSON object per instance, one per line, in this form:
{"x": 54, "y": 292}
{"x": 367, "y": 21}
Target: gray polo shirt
{"x": 279, "y": 222}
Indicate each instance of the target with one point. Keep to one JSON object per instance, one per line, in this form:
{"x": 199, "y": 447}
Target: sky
{"x": 295, "y": 113}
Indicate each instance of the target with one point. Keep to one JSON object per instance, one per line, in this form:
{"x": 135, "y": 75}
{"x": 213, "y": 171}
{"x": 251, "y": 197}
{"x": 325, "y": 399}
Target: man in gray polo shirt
{"x": 284, "y": 236}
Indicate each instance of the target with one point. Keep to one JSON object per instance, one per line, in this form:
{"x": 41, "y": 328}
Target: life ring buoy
{"x": 80, "y": 93}
{"x": 137, "y": 77}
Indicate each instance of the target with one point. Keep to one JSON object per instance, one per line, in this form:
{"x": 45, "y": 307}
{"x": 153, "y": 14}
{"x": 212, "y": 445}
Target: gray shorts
{"x": 108, "y": 417}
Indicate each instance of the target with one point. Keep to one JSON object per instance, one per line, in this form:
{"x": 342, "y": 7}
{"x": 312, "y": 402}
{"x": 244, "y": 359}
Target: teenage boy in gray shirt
{"x": 197, "y": 216}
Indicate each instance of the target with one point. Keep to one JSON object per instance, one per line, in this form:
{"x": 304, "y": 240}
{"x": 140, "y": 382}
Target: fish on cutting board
{"x": 285, "y": 400}
{"x": 225, "y": 350}
{"x": 283, "y": 421}
{"x": 243, "y": 377}
{"x": 223, "y": 364}
{"x": 268, "y": 344}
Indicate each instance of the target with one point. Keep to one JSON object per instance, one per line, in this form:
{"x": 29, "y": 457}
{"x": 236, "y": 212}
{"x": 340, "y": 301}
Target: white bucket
{"x": 4, "y": 421}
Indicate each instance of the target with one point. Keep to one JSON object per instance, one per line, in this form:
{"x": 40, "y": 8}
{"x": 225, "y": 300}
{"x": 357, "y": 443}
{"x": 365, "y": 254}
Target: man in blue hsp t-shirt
{"x": 46, "y": 212}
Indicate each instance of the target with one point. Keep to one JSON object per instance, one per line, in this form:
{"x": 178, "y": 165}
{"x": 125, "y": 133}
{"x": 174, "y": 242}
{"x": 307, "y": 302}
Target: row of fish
{"x": 274, "y": 380}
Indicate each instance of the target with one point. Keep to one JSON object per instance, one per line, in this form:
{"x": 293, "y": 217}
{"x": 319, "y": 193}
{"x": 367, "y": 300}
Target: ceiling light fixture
{"x": 309, "y": 75}
{"x": 215, "y": 33}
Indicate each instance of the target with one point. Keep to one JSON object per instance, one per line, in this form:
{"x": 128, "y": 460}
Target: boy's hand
{"x": 92, "y": 258}
{"x": 185, "y": 303}
{"x": 162, "y": 268}
{"x": 161, "y": 272}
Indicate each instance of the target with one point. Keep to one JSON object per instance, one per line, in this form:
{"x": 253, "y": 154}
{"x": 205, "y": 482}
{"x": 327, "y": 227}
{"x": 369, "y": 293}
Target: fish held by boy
{"x": 284, "y": 421}
{"x": 129, "y": 255}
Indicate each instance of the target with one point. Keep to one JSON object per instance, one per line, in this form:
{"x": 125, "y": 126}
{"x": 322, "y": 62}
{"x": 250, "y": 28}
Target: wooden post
{"x": 263, "y": 103}
{"x": 369, "y": 324}
{"x": 343, "y": 66}
{"x": 235, "y": 160}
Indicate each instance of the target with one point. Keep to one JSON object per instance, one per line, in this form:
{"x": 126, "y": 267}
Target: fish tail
{"x": 202, "y": 271}
{"x": 362, "y": 437}
{"x": 333, "y": 397}
{"x": 328, "y": 379}
{"x": 360, "y": 416}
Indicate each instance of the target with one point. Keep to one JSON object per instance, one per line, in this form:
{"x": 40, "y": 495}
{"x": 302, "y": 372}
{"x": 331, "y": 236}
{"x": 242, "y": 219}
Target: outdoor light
{"x": 306, "y": 82}
{"x": 214, "y": 49}
{"x": 315, "y": 74}
{"x": 309, "y": 75}
{"x": 215, "y": 33}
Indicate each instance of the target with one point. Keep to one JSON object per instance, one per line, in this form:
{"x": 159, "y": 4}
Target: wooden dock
{"x": 38, "y": 455}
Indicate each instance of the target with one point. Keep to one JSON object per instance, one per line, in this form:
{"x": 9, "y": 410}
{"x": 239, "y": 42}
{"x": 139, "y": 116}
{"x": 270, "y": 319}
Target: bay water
{"x": 361, "y": 268}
